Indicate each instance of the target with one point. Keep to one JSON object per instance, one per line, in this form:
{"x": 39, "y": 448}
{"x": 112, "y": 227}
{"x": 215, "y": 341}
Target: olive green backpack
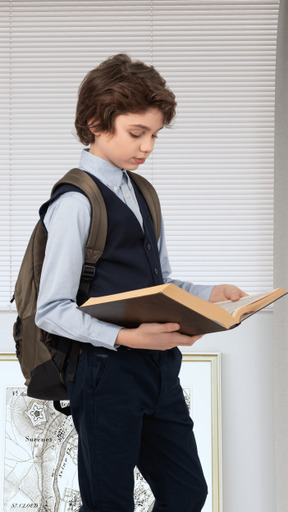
{"x": 43, "y": 356}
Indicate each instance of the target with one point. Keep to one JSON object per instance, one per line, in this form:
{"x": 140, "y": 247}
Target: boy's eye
{"x": 135, "y": 135}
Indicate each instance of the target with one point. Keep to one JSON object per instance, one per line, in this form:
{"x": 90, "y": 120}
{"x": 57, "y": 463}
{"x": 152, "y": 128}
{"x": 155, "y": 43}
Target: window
{"x": 213, "y": 169}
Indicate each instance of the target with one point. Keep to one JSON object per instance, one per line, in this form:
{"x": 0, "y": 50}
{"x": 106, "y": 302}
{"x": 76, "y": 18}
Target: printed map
{"x": 40, "y": 462}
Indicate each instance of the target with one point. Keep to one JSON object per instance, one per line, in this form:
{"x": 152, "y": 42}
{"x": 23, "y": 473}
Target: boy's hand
{"x": 154, "y": 336}
{"x": 222, "y": 292}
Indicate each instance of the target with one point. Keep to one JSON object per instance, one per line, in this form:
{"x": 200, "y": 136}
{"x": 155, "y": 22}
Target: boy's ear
{"x": 90, "y": 126}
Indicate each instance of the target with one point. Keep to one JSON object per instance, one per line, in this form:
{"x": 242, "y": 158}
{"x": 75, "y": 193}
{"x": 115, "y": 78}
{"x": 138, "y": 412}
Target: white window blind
{"x": 213, "y": 169}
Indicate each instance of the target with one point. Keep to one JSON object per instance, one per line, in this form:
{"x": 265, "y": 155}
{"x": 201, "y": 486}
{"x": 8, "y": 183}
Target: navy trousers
{"x": 129, "y": 410}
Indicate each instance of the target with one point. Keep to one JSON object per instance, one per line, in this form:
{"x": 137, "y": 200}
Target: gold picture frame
{"x": 32, "y": 433}
{"x": 205, "y": 379}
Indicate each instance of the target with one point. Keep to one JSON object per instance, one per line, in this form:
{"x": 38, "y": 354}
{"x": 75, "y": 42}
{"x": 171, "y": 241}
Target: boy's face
{"x": 133, "y": 139}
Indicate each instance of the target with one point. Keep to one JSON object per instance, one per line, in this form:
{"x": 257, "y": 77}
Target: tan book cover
{"x": 169, "y": 303}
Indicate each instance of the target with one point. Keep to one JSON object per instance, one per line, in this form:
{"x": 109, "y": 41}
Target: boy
{"x": 126, "y": 401}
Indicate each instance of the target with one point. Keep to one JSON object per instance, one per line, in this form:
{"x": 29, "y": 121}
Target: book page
{"x": 230, "y": 306}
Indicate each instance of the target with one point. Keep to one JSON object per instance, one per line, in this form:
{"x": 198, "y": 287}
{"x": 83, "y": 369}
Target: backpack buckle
{"x": 88, "y": 272}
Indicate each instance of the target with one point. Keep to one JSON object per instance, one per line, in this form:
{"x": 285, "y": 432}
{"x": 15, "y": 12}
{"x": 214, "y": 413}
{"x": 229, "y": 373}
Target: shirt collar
{"x": 108, "y": 173}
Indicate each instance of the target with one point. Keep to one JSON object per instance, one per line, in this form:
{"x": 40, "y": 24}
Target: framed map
{"x": 38, "y": 446}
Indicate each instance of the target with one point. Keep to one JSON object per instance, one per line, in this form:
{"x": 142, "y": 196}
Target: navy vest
{"x": 130, "y": 259}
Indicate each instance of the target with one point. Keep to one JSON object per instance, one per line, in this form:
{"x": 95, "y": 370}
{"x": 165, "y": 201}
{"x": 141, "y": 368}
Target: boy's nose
{"x": 147, "y": 146}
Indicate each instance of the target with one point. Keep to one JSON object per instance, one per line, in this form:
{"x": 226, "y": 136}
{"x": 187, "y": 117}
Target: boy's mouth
{"x": 139, "y": 160}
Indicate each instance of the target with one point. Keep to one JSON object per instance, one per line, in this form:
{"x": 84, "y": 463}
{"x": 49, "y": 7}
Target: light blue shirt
{"x": 67, "y": 222}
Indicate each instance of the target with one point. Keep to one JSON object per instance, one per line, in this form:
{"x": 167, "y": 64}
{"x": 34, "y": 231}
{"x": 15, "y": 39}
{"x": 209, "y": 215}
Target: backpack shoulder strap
{"x": 151, "y": 197}
{"x": 98, "y": 227}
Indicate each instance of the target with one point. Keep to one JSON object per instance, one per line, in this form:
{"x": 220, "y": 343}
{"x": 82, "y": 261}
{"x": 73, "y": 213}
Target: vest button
{"x": 149, "y": 247}
{"x": 156, "y": 271}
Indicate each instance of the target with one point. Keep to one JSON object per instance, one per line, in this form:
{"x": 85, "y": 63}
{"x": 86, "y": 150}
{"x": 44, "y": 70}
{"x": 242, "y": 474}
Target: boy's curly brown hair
{"x": 120, "y": 86}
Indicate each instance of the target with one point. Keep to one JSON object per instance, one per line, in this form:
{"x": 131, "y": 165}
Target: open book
{"x": 169, "y": 303}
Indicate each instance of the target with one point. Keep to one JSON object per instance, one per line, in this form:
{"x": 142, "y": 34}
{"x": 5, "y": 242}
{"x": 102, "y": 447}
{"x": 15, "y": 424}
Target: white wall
{"x": 247, "y": 409}
{"x": 247, "y": 414}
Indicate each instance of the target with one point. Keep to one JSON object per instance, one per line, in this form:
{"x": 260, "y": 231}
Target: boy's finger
{"x": 157, "y": 327}
{"x": 168, "y": 327}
